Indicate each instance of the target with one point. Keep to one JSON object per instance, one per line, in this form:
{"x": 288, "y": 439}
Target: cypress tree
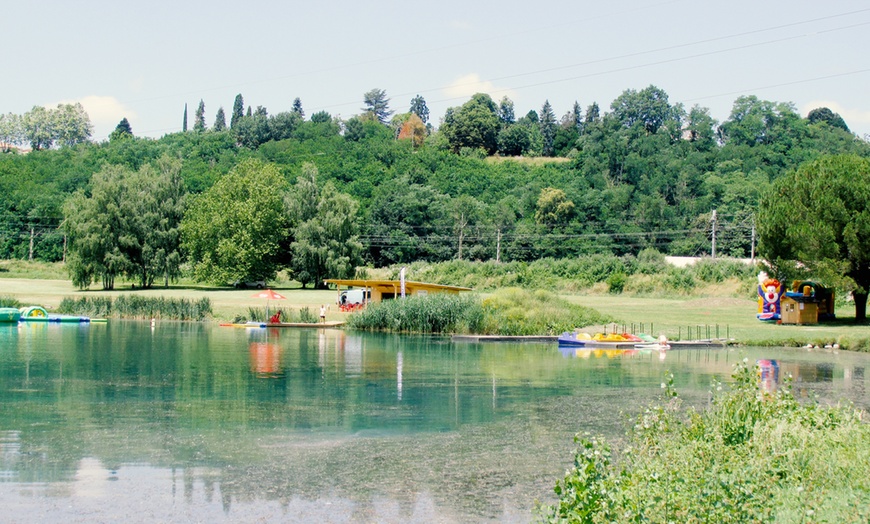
{"x": 238, "y": 110}
{"x": 220, "y": 120}
{"x": 184, "y": 122}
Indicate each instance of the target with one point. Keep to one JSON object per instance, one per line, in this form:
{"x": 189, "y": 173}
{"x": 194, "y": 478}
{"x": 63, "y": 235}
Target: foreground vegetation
{"x": 751, "y": 456}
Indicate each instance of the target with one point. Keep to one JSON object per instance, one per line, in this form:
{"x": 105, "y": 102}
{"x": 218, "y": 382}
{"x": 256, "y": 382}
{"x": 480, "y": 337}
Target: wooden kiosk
{"x": 389, "y": 289}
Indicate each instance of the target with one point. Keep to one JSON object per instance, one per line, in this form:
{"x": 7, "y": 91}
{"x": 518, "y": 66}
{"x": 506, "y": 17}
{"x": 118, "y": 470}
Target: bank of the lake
{"x": 726, "y": 316}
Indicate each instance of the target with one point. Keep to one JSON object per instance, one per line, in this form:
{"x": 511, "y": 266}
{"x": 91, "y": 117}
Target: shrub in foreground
{"x": 750, "y": 457}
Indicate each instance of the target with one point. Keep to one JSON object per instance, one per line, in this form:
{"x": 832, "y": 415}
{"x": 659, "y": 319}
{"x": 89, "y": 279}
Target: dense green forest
{"x": 384, "y": 187}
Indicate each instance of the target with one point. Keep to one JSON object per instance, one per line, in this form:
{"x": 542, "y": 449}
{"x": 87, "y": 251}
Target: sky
{"x": 146, "y": 60}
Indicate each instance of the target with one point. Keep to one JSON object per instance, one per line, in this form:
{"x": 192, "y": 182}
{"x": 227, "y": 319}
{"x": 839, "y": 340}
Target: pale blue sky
{"x": 145, "y": 60}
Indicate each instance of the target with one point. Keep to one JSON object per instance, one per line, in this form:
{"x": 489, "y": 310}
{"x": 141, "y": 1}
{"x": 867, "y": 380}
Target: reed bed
{"x": 7, "y": 301}
{"x": 133, "y": 307}
{"x": 506, "y": 312}
{"x": 260, "y": 314}
{"x": 437, "y": 313}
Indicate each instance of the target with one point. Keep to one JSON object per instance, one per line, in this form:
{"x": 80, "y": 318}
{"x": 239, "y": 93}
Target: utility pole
{"x": 498, "y": 247}
{"x": 752, "y": 255}
{"x": 713, "y": 251}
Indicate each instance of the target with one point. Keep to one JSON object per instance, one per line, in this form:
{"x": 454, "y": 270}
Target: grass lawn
{"x": 734, "y": 316}
{"x": 226, "y": 302}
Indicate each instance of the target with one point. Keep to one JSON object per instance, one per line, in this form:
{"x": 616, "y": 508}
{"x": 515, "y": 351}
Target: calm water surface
{"x": 199, "y": 423}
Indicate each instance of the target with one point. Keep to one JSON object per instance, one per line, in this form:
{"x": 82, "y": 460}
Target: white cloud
{"x": 468, "y": 85}
{"x": 855, "y": 118}
{"x": 104, "y": 111}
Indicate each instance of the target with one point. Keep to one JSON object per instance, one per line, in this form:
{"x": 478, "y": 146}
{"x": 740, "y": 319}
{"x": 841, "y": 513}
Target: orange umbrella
{"x": 268, "y": 294}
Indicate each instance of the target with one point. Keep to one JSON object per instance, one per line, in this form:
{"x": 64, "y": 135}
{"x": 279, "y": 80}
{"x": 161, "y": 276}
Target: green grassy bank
{"x": 726, "y": 305}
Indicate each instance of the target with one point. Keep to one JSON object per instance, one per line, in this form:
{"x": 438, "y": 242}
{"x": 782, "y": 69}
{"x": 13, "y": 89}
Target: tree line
{"x": 320, "y": 195}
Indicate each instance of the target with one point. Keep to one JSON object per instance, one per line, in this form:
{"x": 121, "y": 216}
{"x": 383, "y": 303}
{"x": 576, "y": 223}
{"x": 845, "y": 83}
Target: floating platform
{"x": 710, "y": 343}
{"x": 39, "y": 314}
{"x": 256, "y": 325}
{"x": 62, "y": 319}
{"x": 9, "y": 315}
{"x": 504, "y": 338}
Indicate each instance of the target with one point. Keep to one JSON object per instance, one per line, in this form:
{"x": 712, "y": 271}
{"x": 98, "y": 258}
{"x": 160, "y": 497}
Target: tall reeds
{"x": 133, "y": 307}
{"x": 8, "y": 301}
{"x": 438, "y": 313}
{"x": 507, "y": 312}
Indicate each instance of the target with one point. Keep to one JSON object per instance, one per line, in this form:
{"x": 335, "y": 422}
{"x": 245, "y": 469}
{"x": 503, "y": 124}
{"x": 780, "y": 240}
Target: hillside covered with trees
{"x": 319, "y": 196}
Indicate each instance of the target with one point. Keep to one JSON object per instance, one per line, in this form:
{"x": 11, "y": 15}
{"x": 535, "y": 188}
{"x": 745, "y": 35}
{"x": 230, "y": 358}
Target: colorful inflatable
{"x": 769, "y": 294}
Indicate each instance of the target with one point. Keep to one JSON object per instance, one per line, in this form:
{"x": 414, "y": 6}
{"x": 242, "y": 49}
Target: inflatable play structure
{"x": 769, "y": 294}
{"x": 807, "y": 302}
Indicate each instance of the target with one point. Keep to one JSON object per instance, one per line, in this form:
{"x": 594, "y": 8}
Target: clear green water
{"x": 199, "y": 423}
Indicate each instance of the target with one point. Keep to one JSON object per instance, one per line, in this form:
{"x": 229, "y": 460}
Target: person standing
{"x": 322, "y": 313}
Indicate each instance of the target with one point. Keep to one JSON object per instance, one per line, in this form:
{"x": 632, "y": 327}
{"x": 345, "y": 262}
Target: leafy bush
{"x": 751, "y": 457}
{"x": 647, "y": 273}
{"x": 708, "y": 270}
{"x": 616, "y": 282}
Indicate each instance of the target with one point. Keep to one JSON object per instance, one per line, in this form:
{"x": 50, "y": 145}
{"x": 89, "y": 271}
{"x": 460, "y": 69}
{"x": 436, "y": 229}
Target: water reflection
{"x": 207, "y": 423}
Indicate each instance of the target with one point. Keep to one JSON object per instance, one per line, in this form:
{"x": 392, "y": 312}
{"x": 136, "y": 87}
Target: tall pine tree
{"x": 199, "y": 118}
{"x": 220, "y": 120}
{"x": 548, "y": 128}
{"x": 419, "y": 108}
{"x": 297, "y": 107}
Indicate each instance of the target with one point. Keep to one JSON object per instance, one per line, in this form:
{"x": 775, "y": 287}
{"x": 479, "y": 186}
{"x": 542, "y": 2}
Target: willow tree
{"x": 126, "y": 223}
{"x": 326, "y": 237}
{"x": 818, "y": 218}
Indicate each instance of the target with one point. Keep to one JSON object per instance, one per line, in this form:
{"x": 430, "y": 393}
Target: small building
{"x": 797, "y": 309}
{"x": 807, "y": 303}
{"x": 388, "y": 289}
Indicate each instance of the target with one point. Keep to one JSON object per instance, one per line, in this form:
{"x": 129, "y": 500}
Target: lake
{"x": 192, "y": 422}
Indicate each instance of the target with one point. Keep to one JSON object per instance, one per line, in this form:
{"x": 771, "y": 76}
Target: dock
{"x": 505, "y": 338}
{"x": 333, "y": 324}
